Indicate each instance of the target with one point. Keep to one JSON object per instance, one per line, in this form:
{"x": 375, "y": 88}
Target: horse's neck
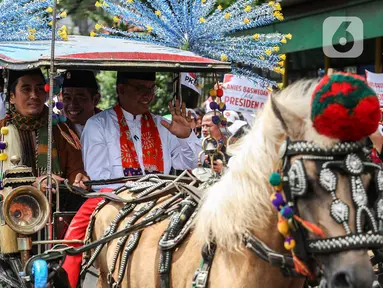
{"x": 246, "y": 269}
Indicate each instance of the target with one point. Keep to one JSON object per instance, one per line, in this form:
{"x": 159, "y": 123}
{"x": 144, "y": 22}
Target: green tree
{"x": 107, "y": 82}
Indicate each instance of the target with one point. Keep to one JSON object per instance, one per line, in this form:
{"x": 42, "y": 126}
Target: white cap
{"x": 231, "y": 116}
{"x": 194, "y": 115}
{"x": 238, "y": 124}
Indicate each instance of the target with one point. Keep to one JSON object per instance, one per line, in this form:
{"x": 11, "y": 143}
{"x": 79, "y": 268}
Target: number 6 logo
{"x": 341, "y": 31}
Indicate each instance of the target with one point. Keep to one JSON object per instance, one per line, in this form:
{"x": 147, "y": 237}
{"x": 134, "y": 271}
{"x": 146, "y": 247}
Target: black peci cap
{"x": 79, "y": 79}
{"x": 122, "y": 77}
{"x": 16, "y": 74}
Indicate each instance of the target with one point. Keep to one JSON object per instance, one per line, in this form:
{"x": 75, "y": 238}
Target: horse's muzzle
{"x": 351, "y": 270}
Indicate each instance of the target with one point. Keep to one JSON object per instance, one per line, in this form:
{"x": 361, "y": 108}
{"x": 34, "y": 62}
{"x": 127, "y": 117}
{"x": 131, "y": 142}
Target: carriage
{"x": 79, "y": 52}
{"x": 301, "y": 158}
{"x": 179, "y": 197}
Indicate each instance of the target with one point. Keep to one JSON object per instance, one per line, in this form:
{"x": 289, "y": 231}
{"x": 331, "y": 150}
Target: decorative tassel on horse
{"x": 285, "y": 222}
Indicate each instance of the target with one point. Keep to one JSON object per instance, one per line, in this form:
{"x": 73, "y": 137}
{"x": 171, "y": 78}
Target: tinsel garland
{"x": 205, "y": 28}
{"x": 22, "y": 20}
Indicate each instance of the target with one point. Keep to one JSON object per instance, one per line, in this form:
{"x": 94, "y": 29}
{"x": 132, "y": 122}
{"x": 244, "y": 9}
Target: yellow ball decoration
{"x": 277, "y": 7}
{"x": 149, "y": 28}
{"x": 213, "y": 92}
{"x": 283, "y": 226}
{"x": 3, "y": 157}
{"x": 224, "y": 57}
{"x": 289, "y": 245}
{"x": 4, "y": 130}
{"x": 98, "y": 26}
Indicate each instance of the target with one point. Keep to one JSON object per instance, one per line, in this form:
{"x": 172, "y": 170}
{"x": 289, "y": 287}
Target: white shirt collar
{"x": 129, "y": 116}
{"x": 79, "y": 128}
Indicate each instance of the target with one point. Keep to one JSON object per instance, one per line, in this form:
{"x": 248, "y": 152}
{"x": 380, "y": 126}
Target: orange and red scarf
{"x": 150, "y": 142}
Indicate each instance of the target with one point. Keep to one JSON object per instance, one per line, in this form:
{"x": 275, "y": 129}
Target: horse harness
{"x": 184, "y": 203}
{"x": 348, "y": 157}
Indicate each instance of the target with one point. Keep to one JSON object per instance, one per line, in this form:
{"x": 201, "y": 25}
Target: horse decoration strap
{"x": 344, "y": 108}
{"x": 184, "y": 208}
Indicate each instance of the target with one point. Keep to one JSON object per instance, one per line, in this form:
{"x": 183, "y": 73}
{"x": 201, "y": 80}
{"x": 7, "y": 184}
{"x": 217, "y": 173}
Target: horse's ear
{"x": 290, "y": 121}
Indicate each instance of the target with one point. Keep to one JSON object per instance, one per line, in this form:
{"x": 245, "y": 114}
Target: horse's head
{"x": 328, "y": 180}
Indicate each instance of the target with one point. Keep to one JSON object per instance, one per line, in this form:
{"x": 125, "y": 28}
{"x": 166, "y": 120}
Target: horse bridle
{"x": 349, "y": 158}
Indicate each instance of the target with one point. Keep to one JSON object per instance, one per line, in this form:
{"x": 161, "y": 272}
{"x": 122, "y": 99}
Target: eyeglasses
{"x": 143, "y": 90}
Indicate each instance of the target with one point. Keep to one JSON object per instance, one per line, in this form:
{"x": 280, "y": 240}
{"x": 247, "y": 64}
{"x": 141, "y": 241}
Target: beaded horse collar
{"x": 347, "y": 157}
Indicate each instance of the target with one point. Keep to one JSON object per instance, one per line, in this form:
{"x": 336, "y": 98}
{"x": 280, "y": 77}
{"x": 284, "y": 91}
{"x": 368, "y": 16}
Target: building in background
{"x": 304, "y": 20}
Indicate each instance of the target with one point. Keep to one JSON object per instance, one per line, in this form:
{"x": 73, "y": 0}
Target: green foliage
{"x": 163, "y": 94}
{"x": 107, "y": 82}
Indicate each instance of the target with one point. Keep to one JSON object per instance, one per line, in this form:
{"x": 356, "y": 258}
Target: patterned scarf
{"x": 35, "y": 156}
{"x": 151, "y": 146}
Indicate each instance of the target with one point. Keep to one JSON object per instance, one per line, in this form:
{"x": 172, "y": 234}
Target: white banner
{"x": 375, "y": 81}
{"x": 191, "y": 80}
{"x": 241, "y": 94}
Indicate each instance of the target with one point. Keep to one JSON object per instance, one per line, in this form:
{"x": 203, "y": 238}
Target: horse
{"x": 239, "y": 203}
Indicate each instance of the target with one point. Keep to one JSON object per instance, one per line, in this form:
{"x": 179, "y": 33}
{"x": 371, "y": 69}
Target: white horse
{"x": 240, "y": 203}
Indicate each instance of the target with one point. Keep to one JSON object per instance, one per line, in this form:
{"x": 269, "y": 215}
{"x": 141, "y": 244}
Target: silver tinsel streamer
{"x": 22, "y": 20}
{"x": 203, "y": 27}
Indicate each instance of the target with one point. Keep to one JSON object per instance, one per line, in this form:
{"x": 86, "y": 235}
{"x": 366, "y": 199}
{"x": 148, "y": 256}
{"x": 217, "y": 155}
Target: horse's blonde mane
{"x": 241, "y": 199}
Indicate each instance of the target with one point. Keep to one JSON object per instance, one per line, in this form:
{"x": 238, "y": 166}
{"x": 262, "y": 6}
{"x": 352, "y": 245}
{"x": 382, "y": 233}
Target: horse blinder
{"x": 344, "y": 157}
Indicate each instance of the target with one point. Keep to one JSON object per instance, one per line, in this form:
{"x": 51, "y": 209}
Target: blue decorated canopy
{"x": 28, "y": 20}
{"x": 204, "y": 28}
{"x": 84, "y": 52}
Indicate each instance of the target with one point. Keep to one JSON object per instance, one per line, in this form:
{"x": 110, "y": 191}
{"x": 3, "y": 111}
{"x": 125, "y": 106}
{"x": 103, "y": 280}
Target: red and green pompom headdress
{"x": 344, "y": 107}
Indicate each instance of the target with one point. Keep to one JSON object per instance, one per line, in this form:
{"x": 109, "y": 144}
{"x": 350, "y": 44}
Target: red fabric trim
{"x": 137, "y": 56}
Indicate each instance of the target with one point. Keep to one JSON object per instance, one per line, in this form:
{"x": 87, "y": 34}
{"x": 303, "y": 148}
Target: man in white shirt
{"x": 101, "y": 139}
{"x": 128, "y": 140}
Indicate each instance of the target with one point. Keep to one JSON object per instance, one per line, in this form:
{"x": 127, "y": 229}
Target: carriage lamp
{"x": 26, "y": 210}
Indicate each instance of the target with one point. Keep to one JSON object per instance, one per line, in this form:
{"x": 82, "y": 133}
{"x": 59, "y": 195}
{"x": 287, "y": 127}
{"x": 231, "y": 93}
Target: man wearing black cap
{"x": 26, "y": 133}
{"x": 117, "y": 142}
{"x": 128, "y": 140}
{"x": 80, "y": 96}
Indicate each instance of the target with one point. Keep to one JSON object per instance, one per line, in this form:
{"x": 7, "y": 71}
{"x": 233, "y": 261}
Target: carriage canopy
{"x": 84, "y": 52}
